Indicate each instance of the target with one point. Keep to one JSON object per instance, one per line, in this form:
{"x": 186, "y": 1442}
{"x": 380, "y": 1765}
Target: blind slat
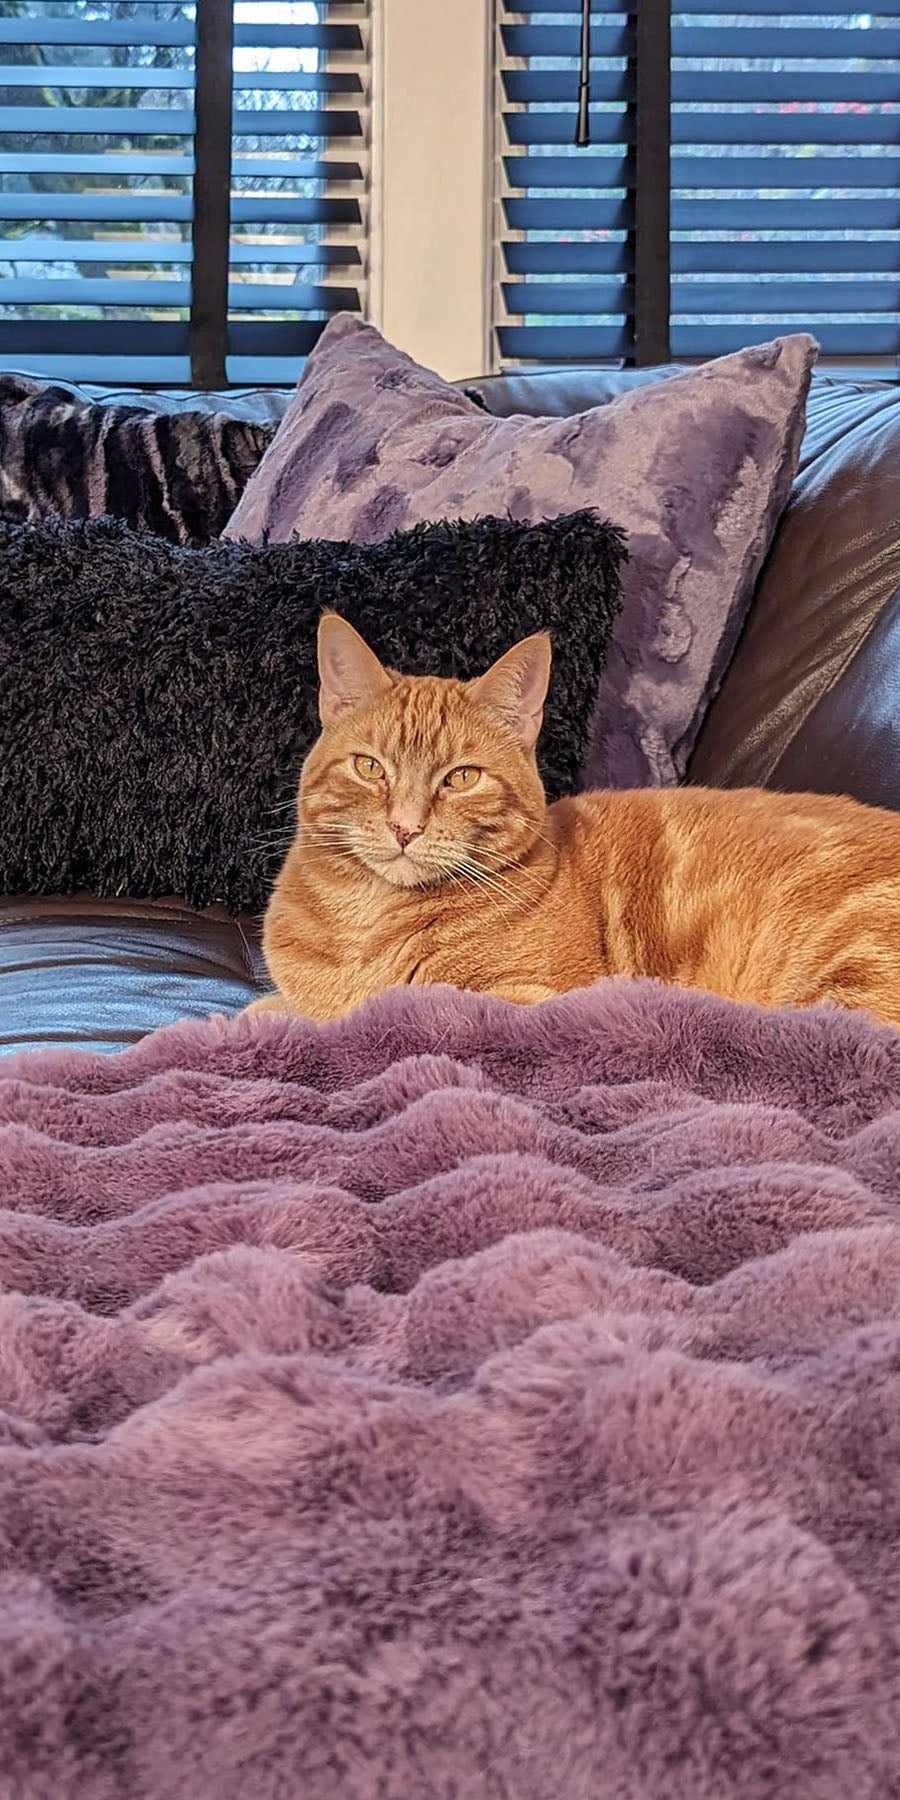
{"x": 68, "y": 76}
{"x": 824, "y": 214}
{"x": 566, "y": 343}
{"x": 121, "y": 252}
{"x": 145, "y": 121}
{"x": 295, "y": 296}
{"x": 786, "y": 298}
{"x": 565, "y": 257}
{"x": 796, "y": 256}
{"x": 785, "y": 87}
{"x": 45, "y": 248}
{"x": 715, "y": 127}
{"x": 834, "y": 42}
{"x": 117, "y": 32}
{"x": 99, "y": 121}
{"x": 110, "y": 207}
{"x": 564, "y": 40}
{"x": 582, "y": 297}
{"x": 533, "y": 87}
{"x": 784, "y": 128}
{"x": 691, "y": 172}
{"x": 774, "y": 7}
{"x": 715, "y": 339}
{"x": 600, "y": 214}
{"x": 263, "y": 209}
{"x": 107, "y": 291}
{"x": 535, "y": 172}
{"x": 153, "y": 164}
{"x": 758, "y": 256}
{"x": 767, "y": 173}
{"x": 98, "y": 32}
{"x": 98, "y": 337}
{"x": 559, "y": 128}
{"x": 327, "y": 122}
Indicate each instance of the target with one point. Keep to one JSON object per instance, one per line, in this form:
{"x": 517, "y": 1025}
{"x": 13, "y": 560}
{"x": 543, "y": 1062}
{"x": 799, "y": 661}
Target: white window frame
{"x": 431, "y": 224}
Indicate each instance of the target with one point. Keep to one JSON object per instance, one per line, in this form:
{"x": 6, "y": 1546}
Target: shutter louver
{"x": 299, "y": 181}
{"x": 783, "y": 181}
{"x": 785, "y": 165}
{"x": 566, "y": 215}
{"x": 97, "y": 185}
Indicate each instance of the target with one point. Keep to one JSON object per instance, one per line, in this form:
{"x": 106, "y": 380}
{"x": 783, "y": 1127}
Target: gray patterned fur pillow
{"x": 179, "y": 474}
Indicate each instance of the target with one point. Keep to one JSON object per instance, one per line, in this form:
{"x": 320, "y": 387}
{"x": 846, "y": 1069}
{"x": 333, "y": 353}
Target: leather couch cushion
{"x": 557, "y": 393}
{"x": 832, "y": 571}
{"x": 849, "y": 742}
{"x": 99, "y": 974}
{"x": 259, "y": 405}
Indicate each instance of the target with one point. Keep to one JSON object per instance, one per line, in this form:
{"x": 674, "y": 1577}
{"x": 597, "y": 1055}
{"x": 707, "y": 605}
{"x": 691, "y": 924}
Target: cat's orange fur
{"x": 782, "y": 899}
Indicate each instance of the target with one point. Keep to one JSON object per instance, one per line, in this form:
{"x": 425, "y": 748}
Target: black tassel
{"x": 583, "y": 128}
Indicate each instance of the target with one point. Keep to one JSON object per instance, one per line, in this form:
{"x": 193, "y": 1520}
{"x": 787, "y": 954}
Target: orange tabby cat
{"x": 425, "y": 851}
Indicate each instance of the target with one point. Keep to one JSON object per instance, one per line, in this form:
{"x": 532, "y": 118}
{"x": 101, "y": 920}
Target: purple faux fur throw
{"x": 458, "y": 1402}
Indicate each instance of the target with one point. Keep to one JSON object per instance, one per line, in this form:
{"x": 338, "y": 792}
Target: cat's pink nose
{"x": 405, "y": 833}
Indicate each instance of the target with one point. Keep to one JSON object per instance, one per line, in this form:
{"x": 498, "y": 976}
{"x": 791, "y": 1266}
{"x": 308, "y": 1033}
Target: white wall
{"x": 432, "y": 156}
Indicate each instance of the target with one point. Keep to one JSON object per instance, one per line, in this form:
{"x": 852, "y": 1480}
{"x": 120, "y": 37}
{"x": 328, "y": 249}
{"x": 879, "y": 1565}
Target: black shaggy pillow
{"x": 179, "y": 474}
{"x": 156, "y": 703}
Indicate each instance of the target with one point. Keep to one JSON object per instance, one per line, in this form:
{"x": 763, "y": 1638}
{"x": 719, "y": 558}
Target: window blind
{"x": 785, "y": 207}
{"x": 773, "y": 131}
{"x": 567, "y": 215}
{"x": 182, "y": 187}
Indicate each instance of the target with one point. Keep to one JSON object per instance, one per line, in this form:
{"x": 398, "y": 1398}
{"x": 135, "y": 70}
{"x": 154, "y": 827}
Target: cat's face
{"x": 424, "y": 781}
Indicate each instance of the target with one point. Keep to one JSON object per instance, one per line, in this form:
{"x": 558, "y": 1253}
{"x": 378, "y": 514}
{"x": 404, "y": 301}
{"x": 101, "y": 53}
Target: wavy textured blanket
{"x": 456, "y": 1403}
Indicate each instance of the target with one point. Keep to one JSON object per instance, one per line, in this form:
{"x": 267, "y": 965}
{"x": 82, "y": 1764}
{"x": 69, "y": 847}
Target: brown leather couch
{"x": 811, "y": 700}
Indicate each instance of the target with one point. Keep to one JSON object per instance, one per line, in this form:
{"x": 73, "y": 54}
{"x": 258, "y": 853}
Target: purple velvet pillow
{"x": 695, "y": 469}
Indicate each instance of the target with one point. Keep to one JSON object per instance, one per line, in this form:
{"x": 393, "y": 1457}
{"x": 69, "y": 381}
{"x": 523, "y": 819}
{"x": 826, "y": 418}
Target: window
{"x": 746, "y": 189}
{"x": 182, "y": 187}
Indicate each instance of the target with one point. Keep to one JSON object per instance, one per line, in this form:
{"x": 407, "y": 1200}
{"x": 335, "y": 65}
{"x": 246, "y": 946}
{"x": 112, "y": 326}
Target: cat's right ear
{"x": 349, "y": 672}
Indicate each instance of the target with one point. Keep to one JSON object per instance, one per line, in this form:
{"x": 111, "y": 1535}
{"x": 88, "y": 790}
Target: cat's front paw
{"x": 268, "y": 1003}
{"x": 525, "y": 993}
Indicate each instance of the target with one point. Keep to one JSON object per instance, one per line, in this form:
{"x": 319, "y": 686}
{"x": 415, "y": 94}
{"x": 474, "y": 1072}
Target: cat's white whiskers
{"x": 460, "y": 875}
{"x": 271, "y": 843}
{"x": 542, "y": 836}
{"x": 506, "y": 862}
{"x": 463, "y": 876}
{"x": 480, "y": 879}
{"x": 503, "y": 882}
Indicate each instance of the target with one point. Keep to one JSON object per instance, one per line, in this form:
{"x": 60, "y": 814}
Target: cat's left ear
{"x": 516, "y": 686}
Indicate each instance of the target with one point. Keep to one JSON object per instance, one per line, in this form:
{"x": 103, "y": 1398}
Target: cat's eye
{"x": 465, "y": 777}
{"x": 368, "y": 767}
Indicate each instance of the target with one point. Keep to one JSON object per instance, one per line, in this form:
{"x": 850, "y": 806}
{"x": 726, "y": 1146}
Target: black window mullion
{"x": 212, "y": 192}
{"x": 652, "y": 161}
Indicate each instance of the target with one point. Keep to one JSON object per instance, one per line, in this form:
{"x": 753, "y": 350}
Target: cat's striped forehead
{"x": 425, "y": 719}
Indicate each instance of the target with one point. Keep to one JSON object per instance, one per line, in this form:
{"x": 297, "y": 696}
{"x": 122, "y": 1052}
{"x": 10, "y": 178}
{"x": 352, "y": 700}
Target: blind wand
{"x": 583, "y": 127}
